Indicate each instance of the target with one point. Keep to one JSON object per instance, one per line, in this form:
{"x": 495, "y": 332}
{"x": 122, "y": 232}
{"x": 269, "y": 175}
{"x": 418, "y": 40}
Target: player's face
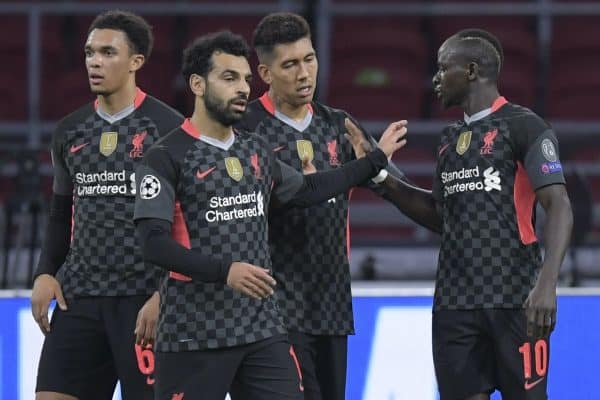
{"x": 292, "y": 74}
{"x": 227, "y": 88}
{"x": 450, "y": 83}
{"x": 109, "y": 61}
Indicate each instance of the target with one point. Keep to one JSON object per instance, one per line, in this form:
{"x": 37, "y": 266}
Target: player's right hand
{"x": 45, "y": 288}
{"x": 393, "y": 138}
{"x": 250, "y": 280}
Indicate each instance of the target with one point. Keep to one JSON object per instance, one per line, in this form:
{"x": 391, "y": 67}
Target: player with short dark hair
{"x": 495, "y": 298}
{"x": 309, "y": 247}
{"x": 201, "y": 212}
{"x": 90, "y": 262}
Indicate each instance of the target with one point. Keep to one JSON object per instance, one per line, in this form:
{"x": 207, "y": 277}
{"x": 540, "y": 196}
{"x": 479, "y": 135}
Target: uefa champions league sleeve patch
{"x": 149, "y": 187}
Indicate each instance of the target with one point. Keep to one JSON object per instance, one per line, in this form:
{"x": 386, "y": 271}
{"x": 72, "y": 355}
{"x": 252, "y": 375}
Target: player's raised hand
{"x": 45, "y": 288}
{"x": 250, "y": 280}
{"x": 147, "y": 318}
{"x": 357, "y": 138}
{"x": 540, "y": 310}
{"x": 393, "y": 138}
{"x": 307, "y": 166}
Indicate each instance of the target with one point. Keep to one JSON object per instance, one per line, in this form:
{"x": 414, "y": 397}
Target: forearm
{"x": 57, "y": 239}
{"x": 322, "y": 186}
{"x": 557, "y": 236}
{"x": 416, "y": 203}
{"x": 159, "y": 248}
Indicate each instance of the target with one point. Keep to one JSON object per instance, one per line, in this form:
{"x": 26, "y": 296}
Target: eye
{"x": 88, "y": 53}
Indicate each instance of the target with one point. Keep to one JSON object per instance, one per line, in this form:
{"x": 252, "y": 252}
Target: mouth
{"x": 95, "y": 79}
{"x": 305, "y": 91}
{"x": 438, "y": 91}
{"x": 239, "y": 104}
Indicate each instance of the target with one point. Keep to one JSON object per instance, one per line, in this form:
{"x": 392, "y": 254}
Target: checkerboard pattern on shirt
{"x": 483, "y": 263}
{"x": 197, "y": 315}
{"x": 104, "y": 258}
{"x": 309, "y": 246}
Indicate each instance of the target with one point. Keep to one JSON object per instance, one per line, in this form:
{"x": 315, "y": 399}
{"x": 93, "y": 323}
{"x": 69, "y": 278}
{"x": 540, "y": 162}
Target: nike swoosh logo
{"x": 443, "y": 148}
{"x": 530, "y": 385}
{"x": 76, "y": 147}
{"x": 279, "y": 148}
{"x": 202, "y": 175}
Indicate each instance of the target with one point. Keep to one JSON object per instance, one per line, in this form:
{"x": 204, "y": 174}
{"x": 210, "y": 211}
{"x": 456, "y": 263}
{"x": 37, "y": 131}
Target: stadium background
{"x": 376, "y": 61}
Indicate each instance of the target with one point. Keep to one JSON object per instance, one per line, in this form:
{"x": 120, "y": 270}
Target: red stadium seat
{"x": 377, "y": 67}
{"x": 13, "y": 47}
{"x": 574, "y": 83}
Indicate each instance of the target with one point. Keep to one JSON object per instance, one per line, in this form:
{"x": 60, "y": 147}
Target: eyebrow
{"x": 102, "y": 48}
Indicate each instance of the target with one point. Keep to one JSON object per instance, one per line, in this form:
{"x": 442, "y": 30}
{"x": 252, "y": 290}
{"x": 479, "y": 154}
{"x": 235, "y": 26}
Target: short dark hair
{"x": 197, "y": 57}
{"x": 136, "y": 29}
{"x": 484, "y": 48}
{"x": 278, "y": 28}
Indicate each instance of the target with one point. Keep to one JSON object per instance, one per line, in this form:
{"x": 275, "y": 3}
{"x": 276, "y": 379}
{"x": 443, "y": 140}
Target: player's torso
{"x": 223, "y": 196}
{"x": 309, "y": 246}
{"x": 101, "y": 158}
{"x": 483, "y": 262}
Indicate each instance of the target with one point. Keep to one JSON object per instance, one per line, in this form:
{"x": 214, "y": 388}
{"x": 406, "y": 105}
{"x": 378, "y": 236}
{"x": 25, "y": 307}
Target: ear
{"x": 136, "y": 61}
{"x": 265, "y": 73}
{"x": 197, "y": 84}
{"x": 472, "y": 71}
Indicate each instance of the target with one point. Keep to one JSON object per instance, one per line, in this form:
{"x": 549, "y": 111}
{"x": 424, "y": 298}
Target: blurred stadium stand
{"x": 376, "y": 59}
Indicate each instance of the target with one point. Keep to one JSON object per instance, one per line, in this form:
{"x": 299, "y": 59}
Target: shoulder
{"x": 75, "y": 118}
{"x": 164, "y": 116}
{"x": 333, "y": 115}
{"x": 522, "y": 118}
{"x": 255, "y": 114}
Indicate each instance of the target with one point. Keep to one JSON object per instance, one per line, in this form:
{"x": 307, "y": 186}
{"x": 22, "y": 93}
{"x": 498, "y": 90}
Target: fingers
{"x": 40, "y": 315}
{"x": 353, "y": 130}
{"x": 140, "y": 330}
{"x": 60, "y": 299}
{"x": 540, "y": 322}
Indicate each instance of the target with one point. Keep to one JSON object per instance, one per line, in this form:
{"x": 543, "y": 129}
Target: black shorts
{"x": 323, "y": 360}
{"x": 91, "y": 346}
{"x": 265, "y": 370}
{"x": 479, "y": 351}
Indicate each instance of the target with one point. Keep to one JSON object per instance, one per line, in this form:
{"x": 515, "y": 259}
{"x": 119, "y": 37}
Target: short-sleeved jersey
{"x": 309, "y": 247}
{"x": 95, "y": 160}
{"x": 487, "y": 174}
{"x": 217, "y": 197}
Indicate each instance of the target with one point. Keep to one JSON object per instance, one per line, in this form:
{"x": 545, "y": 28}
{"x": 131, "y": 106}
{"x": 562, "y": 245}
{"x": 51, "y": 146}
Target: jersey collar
{"x": 498, "y": 103}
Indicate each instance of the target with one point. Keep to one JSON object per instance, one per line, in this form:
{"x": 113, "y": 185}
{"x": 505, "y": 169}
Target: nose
{"x": 436, "y": 79}
{"x": 244, "y": 88}
{"x": 303, "y": 72}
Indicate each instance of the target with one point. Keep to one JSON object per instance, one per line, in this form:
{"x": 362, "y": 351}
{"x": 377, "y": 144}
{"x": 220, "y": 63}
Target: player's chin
{"x": 97, "y": 90}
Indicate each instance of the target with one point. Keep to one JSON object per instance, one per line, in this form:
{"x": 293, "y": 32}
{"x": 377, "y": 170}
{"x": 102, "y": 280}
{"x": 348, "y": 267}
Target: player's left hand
{"x": 147, "y": 318}
{"x": 540, "y": 310}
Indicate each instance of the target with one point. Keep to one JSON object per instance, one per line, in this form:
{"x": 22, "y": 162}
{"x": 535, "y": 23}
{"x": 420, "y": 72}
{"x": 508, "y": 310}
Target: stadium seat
{"x": 13, "y": 47}
{"x": 574, "y": 83}
{"x": 377, "y": 67}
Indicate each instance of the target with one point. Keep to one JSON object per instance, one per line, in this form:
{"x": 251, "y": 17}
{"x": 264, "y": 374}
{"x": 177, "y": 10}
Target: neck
{"x": 117, "y": 101}
{"x": 481, "y": 98}
{"x": 207, "y": 126}
{"x": 295, "y": 112}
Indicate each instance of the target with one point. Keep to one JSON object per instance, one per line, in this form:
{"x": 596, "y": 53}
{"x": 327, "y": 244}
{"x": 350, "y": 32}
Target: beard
{"x": 220, "y": 110}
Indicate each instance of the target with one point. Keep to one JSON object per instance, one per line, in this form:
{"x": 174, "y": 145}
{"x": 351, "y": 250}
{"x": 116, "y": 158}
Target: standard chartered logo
{"x": 239, "y": 206}
{"x": 470, "y": 180}
{"x": 491, "y": 179}
{"x": 105, "y": 183}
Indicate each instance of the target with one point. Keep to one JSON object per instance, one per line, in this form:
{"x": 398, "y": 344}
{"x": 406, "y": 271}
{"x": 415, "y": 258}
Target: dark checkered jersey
{"x": 309, "y": 247}
{"x": 216, "y": 195}
{"x": 95, "y": 161}
{"x": 487, "y": 174}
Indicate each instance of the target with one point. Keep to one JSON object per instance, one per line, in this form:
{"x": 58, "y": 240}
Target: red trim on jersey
{"x": 499, "y": 102}
{"x": 140, "y": 96}
{"x": 190, "y": 129}
{"x": 181, "y": 235}
{"x": 524, "y": 199}
{"x": 268, "y": 104}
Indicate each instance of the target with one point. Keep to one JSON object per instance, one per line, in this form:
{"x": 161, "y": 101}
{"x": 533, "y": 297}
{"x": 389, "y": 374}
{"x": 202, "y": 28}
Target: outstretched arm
{"x": 416, "y": 203}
